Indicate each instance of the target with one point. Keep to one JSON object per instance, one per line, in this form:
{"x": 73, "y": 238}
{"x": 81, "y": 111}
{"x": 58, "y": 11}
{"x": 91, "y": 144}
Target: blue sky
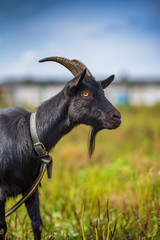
{"x": 110, "y": 37}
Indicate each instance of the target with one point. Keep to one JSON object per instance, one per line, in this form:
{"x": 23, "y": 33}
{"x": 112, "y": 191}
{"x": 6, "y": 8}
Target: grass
{"x": 114, "y": 195}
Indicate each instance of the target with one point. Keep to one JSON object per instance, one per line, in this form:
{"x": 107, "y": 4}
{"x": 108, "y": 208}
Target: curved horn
{"x": 73, "y": 67}
{"x": 82, "y": 66}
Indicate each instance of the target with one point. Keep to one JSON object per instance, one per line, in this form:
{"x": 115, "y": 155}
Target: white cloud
{"x": 99, "y": 43}
{"x": 21, "y": 66}
{"x": 28, "y": 56}
{"x": 110, "y": 52}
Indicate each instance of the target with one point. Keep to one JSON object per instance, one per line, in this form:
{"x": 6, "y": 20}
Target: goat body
{"x": 82, "y": 101}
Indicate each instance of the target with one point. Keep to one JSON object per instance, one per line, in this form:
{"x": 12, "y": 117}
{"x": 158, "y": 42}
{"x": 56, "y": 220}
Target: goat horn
{"x": 73, "y": 67}
{"x": 82, "y": 66}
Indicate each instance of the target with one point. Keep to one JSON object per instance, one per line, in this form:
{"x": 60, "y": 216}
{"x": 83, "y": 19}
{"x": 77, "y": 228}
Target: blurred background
{"x": 110, "y": 37}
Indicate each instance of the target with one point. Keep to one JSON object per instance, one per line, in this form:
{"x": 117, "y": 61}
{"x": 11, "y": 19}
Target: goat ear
{"x": 71, "y": 85}
{"x": 107, "y": 81}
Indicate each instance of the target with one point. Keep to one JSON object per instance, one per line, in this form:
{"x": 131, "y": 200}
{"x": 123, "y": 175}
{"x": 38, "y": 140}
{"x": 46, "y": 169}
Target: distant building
{"x": 31, "y": 93}
{"x": 34, "y": 92}
{"x": 134, "y": 93}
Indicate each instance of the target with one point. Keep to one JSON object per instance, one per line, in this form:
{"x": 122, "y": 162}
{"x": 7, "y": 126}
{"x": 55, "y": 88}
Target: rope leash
{"x": 46, "y": 159}
{"x": 28, "y": 195}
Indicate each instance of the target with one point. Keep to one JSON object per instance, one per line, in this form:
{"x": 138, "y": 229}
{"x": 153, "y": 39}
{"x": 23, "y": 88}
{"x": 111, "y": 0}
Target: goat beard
{"x": 92, "y": 138}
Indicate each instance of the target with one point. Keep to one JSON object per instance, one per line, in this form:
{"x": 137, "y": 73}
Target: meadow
{"x": 113, "y": 195}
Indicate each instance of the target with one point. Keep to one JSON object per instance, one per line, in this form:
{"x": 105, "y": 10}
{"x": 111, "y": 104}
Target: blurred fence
{"x": 119, "y": 93}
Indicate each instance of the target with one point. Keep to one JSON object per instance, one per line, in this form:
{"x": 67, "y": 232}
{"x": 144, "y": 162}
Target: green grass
{"x": 114, "y": 195}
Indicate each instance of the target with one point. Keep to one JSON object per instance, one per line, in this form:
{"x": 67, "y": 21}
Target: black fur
{"x": 19, "y": 163}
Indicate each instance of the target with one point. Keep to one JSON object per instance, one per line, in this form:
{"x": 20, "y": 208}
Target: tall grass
{"x": 114, "y": 195}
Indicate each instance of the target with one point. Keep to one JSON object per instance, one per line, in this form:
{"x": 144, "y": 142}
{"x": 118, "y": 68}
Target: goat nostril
{"x": 116, "y": 115}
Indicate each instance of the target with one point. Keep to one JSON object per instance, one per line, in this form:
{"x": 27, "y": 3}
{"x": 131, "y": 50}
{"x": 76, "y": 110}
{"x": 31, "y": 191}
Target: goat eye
{"x": 85, "y": 94}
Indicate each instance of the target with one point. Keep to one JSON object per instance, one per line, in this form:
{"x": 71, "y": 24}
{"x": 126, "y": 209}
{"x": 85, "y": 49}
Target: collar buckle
{"x": 41, "y": 150}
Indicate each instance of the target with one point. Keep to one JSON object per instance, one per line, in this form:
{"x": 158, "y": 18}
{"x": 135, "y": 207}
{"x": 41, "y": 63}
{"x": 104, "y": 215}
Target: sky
{"x": 119, "y": 37}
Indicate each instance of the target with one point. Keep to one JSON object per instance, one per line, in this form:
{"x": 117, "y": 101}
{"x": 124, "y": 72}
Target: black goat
{"x": 82, "y": 101}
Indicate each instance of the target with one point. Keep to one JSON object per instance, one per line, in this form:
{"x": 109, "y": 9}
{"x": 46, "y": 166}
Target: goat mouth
{"x": 113, "y": 124}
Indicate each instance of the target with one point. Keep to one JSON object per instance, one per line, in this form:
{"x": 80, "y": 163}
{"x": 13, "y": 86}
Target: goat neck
{"x": 52, "y": 120}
